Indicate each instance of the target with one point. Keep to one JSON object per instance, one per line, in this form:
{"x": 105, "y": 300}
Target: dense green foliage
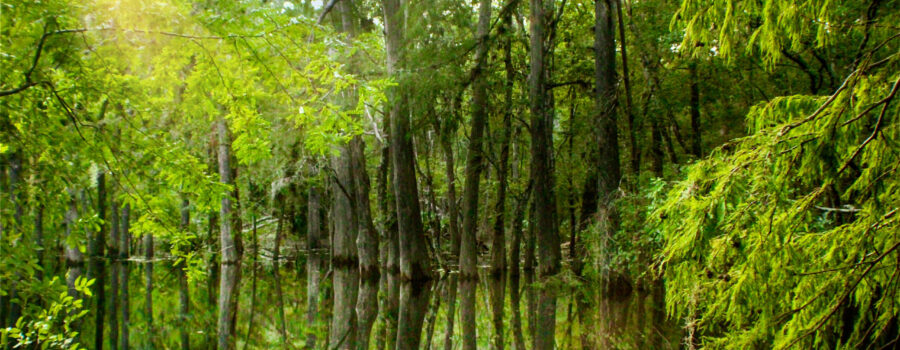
{"x": 758, "y": 143}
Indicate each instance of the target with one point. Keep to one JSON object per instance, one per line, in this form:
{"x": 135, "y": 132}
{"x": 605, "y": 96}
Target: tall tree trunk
{"x": 230, "y": 245}
{"x": 113, "y": 248}
{"x": 367, "y": 248}
{"x": 367, "y": 236}
{"x": 390, "y": 254}
{"x": 414, "y": 262}
{"x": 629, "y": 106}
{"x": 124, "y": 256}
{"x": 345, "y": 259}
{"x": 183, "y": 293}
{"x": 468, "y": 257}
{"x": 212, "y": 239}
{"x": 97, "y": 249}
{"x": 498, "y": 247}
{"x": 542, "y": 175}
{"x": 452, "y": 209}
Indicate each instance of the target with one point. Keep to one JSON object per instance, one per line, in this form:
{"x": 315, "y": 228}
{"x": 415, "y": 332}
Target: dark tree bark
{"x": 212, "y": 237}
{"x": 656, "y": 150}
{"x": 542, "y": 176}
{"x": 497, "y": 289}
{"x": 414, "y": 261}
{"x": 113, "y": 249}
{"x": 517, "y": 231}
{"x": 629, "y": 106}
{"x": 97, "y": 249}
{"x": 468, "y": 257}
{"x": 230, "y": 245}
{"x": 515, "y": 298}
{"x": 124, "y": 255}
{"x": 498, "y": 244}
{"x": 541, "y": 150}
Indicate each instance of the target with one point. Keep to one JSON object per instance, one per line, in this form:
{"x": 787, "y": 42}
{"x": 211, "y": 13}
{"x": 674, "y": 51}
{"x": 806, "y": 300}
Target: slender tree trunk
{"x": 452, "y": 208}
{"x": 113, "y": 248}
{"x": 468, "y": 257}
{"x": 213, "y": 265}
{"x": 629, "y": 106}
{"x": 230, "y": 245}
{"x": 414, "y": 262}
{"x": 542, "y": 175}
{"x": 656, "y": 151}
{"x": 124, "y": 256}
{"x": 517, "y": 231}
{"x": 498, "y": 249}
{"x": 97, "y": 262}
